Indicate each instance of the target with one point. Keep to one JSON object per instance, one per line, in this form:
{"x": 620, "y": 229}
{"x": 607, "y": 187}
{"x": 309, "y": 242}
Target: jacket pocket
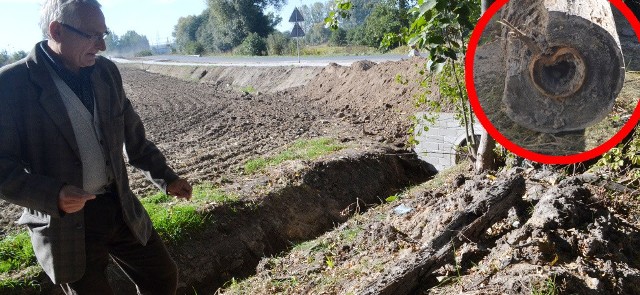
{"x": 33, "y": 218}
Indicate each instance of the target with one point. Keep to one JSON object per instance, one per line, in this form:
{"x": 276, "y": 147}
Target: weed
{"x": 16, "y": 252}
{"x": 248, "y": 89}
{"x": 392, "y": 198}
{"x": 350, "y": 234}
{"x": 210, "y": 193}
{"x": 329, "y": 261}
{"x": 18, "y": 286}
{"x": 175, "y": 222}
{"x": 548, "y": 287}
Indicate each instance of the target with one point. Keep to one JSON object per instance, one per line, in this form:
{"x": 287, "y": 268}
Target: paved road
{"x": 263, "y": 61}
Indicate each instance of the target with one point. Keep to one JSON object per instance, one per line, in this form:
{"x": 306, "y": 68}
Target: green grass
{"x": 16, "y": 252}
{"x": 174, "y": 223}
{"x": 299, "y": 150}
{"x": 19, "y": 286}
{"x": 327, "y": 50}
{"x": 176, "y": 220}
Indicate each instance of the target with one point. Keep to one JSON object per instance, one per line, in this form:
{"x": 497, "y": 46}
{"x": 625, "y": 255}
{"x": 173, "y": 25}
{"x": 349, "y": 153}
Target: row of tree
{"x": 244, "y": 26}
{"x": 368, "y": 22}
{"x": 129, "y": 44}
{"x": 225, "y": 25}
{"x": 7, "y": 58}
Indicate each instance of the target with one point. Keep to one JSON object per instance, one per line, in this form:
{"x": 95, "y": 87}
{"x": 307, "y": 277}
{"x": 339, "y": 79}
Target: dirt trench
{"x": 288, "y": 205}
{"x": 533, "y": 231}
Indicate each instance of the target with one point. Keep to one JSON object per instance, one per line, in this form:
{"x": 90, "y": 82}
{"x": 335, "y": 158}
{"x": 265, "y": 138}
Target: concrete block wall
{"x": 438, "y": 145}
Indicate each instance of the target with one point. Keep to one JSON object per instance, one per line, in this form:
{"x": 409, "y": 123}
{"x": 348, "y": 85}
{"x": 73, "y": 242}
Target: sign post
{"x": 297, "y": 31}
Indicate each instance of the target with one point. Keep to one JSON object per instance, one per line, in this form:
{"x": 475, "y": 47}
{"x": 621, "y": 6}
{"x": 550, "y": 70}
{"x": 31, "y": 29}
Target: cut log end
{"x": 558, "y": 73}
{"x": 571, "y": 83}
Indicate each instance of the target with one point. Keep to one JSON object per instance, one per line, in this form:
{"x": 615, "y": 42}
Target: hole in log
{"x": 559, "y": 72}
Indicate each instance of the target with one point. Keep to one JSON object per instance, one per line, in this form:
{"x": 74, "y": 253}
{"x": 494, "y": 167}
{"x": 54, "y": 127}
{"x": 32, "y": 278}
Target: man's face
{"x": 78, "y": 51}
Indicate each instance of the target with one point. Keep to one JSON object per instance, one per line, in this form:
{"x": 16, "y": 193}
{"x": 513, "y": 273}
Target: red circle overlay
{"x": 522, "y": 152}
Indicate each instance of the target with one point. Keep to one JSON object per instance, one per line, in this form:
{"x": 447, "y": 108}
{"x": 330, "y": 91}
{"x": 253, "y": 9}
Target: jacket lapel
{"x": 101, "y": 93}
{"x": 50, "y": 99}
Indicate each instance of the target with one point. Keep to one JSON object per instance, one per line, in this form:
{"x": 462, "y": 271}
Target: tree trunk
{"x": 486, "y": 155}
{"x": 564, "y": 63}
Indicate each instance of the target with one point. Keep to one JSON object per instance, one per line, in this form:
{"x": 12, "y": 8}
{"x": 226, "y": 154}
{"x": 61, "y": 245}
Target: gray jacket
{"x": 39, "y": 154}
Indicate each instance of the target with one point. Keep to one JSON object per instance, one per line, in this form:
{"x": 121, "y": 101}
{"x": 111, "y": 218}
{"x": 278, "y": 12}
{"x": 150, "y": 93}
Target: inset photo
{"x": 556, "y": 79}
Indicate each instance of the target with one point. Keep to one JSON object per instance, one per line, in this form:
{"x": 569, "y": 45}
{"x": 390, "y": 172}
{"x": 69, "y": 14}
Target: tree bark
{"x": 486, "y": 155}
{"x": 564, "y": 63}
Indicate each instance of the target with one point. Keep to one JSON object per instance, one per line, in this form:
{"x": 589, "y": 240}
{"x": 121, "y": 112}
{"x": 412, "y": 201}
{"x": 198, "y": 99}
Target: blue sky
{"x": 152, "y": 18}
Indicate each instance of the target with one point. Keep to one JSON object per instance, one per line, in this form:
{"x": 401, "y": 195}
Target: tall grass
{"x": 176, "y": 220}
{"x": 300, "y": 149}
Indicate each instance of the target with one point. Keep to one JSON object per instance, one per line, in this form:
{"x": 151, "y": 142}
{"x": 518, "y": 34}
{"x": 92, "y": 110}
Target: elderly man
{"x": 64, "y": 120}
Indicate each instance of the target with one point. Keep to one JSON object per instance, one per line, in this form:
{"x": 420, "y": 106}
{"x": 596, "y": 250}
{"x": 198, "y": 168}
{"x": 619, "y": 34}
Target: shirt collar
{"x": 59, "y": 67}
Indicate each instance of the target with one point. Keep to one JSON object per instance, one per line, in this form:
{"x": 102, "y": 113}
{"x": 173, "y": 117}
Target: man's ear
{"x": 55, "y": 30}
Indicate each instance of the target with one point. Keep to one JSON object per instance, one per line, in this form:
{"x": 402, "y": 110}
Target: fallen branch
{"x": 467, "y": 225}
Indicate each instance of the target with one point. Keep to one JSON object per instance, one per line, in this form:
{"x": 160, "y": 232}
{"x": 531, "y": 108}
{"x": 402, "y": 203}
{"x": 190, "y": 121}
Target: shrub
{"x": 338, "y": 37}
{"x": 143, "y": 53}
{"x": 194, "y": 48}
{"x": 278, "y": 44}
{"x": 253, "y": 44}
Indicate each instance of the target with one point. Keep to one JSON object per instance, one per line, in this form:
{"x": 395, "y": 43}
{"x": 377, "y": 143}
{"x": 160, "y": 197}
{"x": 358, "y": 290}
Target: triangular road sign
{"x": 297, "y": 31}
{"x": 296, "y": 16}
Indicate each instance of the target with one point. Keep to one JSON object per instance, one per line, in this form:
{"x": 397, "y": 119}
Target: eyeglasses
{"x": 94, "y": 38}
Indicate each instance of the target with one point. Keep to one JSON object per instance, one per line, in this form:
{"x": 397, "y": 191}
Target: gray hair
{"x": 63, "y": 11}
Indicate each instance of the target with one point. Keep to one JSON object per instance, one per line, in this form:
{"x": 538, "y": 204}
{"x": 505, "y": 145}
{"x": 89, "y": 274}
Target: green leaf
{"x": 450, "y": 53}
{"x": 414, "y": 40}
{"x": 427, "y": 5}
{"x": 344, "y": 5}
{"x": 436, "y": 40}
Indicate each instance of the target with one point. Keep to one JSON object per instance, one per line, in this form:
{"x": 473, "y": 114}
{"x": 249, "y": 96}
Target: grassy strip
{"x": 174, "y": 220}
{"x": 16, "y": 252}
{"x": 20, "y": 286}
{"x": 300, "y": 149}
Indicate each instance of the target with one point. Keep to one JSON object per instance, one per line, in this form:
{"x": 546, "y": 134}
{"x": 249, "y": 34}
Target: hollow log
{"x": 564, "y": 63}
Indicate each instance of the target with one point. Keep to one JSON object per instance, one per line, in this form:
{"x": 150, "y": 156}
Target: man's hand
{"x": 180, "y": 188}
{"x": 71, "y": 199}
